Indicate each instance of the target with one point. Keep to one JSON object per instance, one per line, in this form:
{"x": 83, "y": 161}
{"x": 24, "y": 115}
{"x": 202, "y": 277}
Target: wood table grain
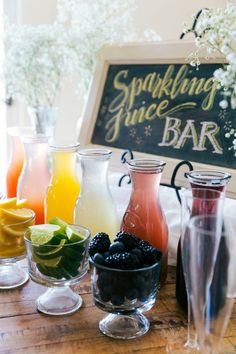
{"x": 24, "y": 330}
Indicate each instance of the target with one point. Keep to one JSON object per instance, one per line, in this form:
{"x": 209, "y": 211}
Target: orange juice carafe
{"x": 35, "y": 176}
{"x": 17, "y": 158}
{"x": 143, "y": 216}
{"x": 64, "y": 187}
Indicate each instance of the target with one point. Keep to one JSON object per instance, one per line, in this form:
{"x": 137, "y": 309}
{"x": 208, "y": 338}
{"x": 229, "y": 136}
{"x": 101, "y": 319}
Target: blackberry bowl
{"x": 125, "y": 294}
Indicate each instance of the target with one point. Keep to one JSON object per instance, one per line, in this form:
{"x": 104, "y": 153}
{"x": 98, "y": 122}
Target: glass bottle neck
{"x": 17, "y": 149}
{"x": 93, "y": 170}
{"x": 35, "y": 152}
{"x": 64, "y": 163}
{"x": 145, "y": 180}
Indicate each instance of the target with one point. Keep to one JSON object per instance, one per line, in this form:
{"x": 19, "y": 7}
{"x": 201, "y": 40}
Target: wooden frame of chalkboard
{"x": 149, "y": 99}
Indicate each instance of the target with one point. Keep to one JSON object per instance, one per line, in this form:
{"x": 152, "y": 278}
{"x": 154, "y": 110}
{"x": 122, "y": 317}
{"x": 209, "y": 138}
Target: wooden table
{"x": 24, "y": 330}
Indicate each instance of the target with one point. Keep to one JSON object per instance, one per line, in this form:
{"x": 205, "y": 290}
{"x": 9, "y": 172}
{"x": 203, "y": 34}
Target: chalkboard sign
{"x": 163, "y": 106}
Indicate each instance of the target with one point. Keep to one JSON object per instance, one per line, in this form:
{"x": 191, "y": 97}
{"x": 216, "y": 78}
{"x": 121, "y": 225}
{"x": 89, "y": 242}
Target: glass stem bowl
{"x": 58, "y": 267}
{"x": 12, "y": 249}
{"x": 125, "y": 294}
{"x": 11, "y": 274}
{"x": 59, "y": 301}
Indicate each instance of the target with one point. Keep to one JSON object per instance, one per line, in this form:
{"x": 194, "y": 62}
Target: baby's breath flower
{"x": 39, "y": 57}
{"x": 216, "y": 29}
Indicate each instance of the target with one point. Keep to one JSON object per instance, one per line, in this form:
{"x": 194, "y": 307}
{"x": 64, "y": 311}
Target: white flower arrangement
{"x": 216, "y": 32}
{"x": 39, "y": 57}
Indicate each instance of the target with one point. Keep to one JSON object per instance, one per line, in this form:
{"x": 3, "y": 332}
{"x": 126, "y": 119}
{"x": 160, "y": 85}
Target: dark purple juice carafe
{"x": 201, "y": 183}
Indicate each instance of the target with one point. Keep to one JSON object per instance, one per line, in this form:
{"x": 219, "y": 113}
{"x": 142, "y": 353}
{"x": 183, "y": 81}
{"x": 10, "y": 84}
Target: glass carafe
{"x": 64, "y": 187}
{"x": 35, "y": 176}
{"x": 212, "y": 180}
{"x": 143, "y": 216}
{"x": 95, "y": 208}
{"x": 16, "y": 159}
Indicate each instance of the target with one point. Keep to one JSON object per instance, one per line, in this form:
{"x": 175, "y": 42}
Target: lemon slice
{"x": 8, "y": 203}
{"x": 42, "y": 234}
{"x": 13, "y": 232}
{"x": 16, "y": 215}
{"x": 21, "y": 203}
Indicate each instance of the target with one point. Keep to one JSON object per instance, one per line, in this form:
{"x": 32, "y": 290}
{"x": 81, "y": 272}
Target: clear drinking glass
{"x": 212, "y": 291}
{"x": 12, "y": 250}
{"x": 58, "y": 267}
{"x": 194, "y": 202}
{"x": 125, "y": 294}
{"x": 209, "y": 179}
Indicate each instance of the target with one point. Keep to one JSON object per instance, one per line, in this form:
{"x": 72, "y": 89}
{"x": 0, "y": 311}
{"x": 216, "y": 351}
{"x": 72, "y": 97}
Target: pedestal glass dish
{"x": 125, "y": 294}
{"x": 12, "y": 250}
{"x": 58, "y": 267}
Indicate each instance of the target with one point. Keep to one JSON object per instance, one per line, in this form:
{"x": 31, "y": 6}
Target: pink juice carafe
{"x": 16, "y": 159}
{"x": 143, "y": 216}
{"x": 35, "y": 176}
{"x": 200, "y": 182}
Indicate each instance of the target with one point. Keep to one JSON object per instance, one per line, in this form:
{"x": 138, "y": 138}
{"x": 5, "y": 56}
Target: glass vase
{"x": 143, "y": 216}
{"x": 43, "y": 119}
{"x": 95, "y": 208}
{"x": 16, "y": 159}
{"x": 35, "y": 176}
{"x": 64, "y": 187}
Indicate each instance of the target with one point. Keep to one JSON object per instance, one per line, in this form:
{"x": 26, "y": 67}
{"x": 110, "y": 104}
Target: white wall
{"x": 165, "y": 16}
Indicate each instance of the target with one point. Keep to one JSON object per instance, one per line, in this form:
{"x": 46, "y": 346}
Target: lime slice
{"x": 52, "y": 251}
{"x": 52, "y": 262}
{"x": 21, "y": 203}
{"x": 42, "y": 234}
{"x": 8, "y": 203}
{"x": 59, "y": 222}
{"x": 73, "y": 234}
{"x": 16, "y": 215}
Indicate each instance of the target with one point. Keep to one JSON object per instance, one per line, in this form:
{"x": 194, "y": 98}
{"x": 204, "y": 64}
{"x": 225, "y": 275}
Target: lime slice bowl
{"x": 13, "y": 224}
{"x": 57, "y": 262}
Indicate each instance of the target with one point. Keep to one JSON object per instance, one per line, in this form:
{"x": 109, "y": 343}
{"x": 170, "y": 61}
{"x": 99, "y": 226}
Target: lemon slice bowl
{"x": 13, "y": 224}
{"x": 57, "y": 262}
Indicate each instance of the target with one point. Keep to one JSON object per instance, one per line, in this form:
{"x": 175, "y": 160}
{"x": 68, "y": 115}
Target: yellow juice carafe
{"x": 64, "y": 186}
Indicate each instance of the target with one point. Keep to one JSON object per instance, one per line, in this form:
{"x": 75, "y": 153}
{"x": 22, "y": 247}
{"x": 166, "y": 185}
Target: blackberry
{"x": 98, "y": 258}
{"x": 151, "y": 255}
{"x": 143, "y": 243}
{"x": 129, "y": 240}
{"x": 100, "y": 243}
{"x": 116, "y": 247}
{"x": 124, "y": 260}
